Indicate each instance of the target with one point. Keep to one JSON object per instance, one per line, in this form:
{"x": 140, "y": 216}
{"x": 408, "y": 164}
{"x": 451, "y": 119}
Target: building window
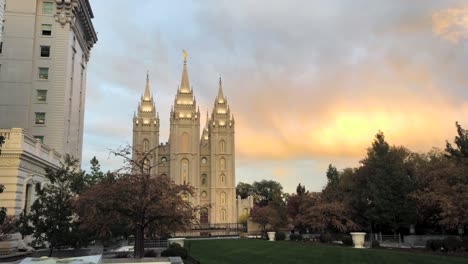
{"x": 43, "y": 73}
{"x": 222, "y": 179}
{"x": 204, "y": 194}
{"x": 184, "y": 171}
{"x": 222, "y": 146}
{"x": 46, "y": 29}
{"x": 223, "y": 198}
{"x": 1, "y": 47}
{"x": 203, "y": 179}
{"x": 47, "y": 8}
{"x": 222, "y": 164}
{"x": 40, "y": 118}
{"x": 163, "y": 160}
{"x": 39, "y": 138}
{"x": 145, "y": 145}
{"x": 41, "y": 95}
{"x": 246, "y": 211}
{"x": 28, "y": 199}
{"x": 45, "y": 51}
{"x": 223, "y": 215}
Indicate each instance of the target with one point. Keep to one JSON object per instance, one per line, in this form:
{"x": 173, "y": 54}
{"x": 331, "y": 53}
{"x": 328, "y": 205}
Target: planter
{"x": 358, "y": 239}
{"x": 179, "y": 241}
{"x": 271, "y": 236}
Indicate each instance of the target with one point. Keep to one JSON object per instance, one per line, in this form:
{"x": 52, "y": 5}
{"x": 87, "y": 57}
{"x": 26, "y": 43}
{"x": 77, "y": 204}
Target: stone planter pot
{"x": 358, "y": 239}
{"x": 271, "y": 236}
{"x": 179, "y": 241}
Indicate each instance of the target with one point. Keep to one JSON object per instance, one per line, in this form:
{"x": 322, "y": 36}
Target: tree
{"x": 295, "y": 208}
{"x": 244, "y": 190}
{"x": 96, "y": 174}
{"x": 51, "y": 219}
{"x": 265, "y": 189}
{"x": 324, "y": 215}
{"x": 148, "y": 203}
{"x": 331, "y": 191}
{"x": 461, "y": 140}
{"x": 442, "y": 193}
{"x": 387, "y": 185}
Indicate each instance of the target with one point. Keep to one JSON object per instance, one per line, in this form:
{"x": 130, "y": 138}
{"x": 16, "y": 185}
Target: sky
{"x": 309, "y": 82}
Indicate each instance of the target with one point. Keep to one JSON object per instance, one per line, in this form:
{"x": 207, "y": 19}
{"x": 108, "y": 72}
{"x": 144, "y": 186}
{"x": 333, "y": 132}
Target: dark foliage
{"x": 150, "y": 254}
{"x": 295, "y": 237}
{"x": 347, "y": 240}
{"x": 325, "y": 238}
{"x": 175, "y": 250}
{"x": 375, "y": 244}
{"x": 452, "y": 243}
{"x": 280, "y": 236}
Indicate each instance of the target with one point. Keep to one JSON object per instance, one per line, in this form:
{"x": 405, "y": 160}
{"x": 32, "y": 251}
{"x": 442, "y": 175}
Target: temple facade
{"x": 203, "y": 158}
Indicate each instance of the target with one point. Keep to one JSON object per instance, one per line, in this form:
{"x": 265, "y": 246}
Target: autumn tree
{"x": 145, "y": 201}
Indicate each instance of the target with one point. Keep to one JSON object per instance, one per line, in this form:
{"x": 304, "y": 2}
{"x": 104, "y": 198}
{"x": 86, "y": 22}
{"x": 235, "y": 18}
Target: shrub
{"x": 452, "y": 243}
{"x": 375, "y": 244}
{"x": 122, "y": 255}
{"x": 434, "y": 244}
{"x": 465, "y": 243}
{"x": 150, "y": 254}
{"x": 175, "y": 251}
{"x": 280, "y": 236}
{"x": 295, "y": 237}
{"x": 325, "y": 238}
{"x": 347, "y": 240}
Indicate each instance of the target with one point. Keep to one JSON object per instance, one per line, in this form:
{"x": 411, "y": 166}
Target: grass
{"x": 247, "y": 251}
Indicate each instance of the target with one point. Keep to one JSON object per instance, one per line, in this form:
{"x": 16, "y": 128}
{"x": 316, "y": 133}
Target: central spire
{"x": 147, "y": 95}
{"x": 220, "y": 97}
{"x": 184, "y": 84}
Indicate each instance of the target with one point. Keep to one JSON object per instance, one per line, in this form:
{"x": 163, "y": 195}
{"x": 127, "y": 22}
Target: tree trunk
{"x": 139, "y": 250}
{"x": 51, "y": 249}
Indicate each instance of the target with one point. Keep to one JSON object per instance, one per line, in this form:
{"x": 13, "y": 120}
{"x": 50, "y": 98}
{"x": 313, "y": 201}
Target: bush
{"x": 280, "y": 236}
{"x": 452, "y": 243}
{"x": 434, "y": 244}
{"x": 122, "y": 255}
{"x": 375, "y": 244}
{"x": 465, "y": 243}
{"x": 175, "y": 251}
{"x": 347, "y": 241}
{"x": 295, "y": 237}
{"x": 325, "y": 238}
{"x": 150, "y": 254}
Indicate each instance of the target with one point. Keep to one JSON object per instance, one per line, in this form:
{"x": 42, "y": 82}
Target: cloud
{"x": 451, "y": 24}
{"x": 309, "y": 82}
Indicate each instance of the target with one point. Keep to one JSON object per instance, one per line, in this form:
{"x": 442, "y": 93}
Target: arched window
{"x": 204, "y": 215}
{"x": 246, "y": 211}
{"x": 28, "y": 198}
{"x": 222, "y": 164}
{"x": 204, "y": 194}
{"x": 223, "y": 198}
{"x": 184, "y": 171}
{"x": 204, "y": 180}
{"x": 223, "y": 215}
{"x": 222, "y": 146}
{"x": 145, "y": 145}
{"x": 222, "y": 179}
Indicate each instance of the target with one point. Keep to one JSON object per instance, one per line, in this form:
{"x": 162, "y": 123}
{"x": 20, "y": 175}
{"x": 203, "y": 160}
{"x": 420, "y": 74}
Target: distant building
{"x": 204, "y": 159}
{"x": 43, "y": 62}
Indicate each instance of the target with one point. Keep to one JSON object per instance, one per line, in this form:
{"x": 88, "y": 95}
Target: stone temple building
{"x": 203, "y": 158}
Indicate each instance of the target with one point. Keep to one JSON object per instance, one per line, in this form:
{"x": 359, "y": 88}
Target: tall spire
{"x": 147, "y": 95}
{"x": 220, "y": 97}
{"x": 184, "y": 84}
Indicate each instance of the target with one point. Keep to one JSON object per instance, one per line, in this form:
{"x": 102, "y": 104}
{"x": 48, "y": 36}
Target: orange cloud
{"x": 451, "y": 24}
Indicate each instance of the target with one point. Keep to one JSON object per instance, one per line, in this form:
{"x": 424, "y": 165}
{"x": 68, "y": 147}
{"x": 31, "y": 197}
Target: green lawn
{"x": 245, "y": 251}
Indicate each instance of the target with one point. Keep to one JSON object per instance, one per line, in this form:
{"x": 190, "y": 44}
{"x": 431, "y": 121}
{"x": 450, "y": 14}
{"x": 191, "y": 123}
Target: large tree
{"x": 295, "y": 208}
{"x": 52, "y": 219}
{"x": 461, "y": 142}
{"x": 244, "y": 190}
{"x": 265, "y": 190}
{"x": 145, "y": 201}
